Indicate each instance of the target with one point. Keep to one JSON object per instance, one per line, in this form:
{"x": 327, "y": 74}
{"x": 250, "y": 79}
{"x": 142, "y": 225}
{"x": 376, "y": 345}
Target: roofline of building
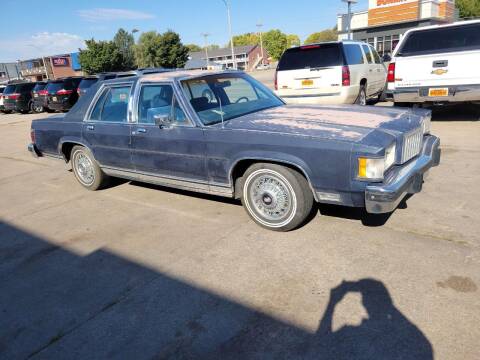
{"x": 396, "y": 23}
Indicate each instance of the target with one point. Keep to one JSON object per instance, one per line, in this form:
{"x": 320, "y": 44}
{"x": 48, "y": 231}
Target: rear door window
{"x": 54, "y": 86}
{"x": 311, "y": 56}
{"x": 368, "y": 54}
{"x": 441, "y": 40}
{"x": 112, "y": 105}
{"x": 376, "y": 57}
{"x": 39, "y": 87}
{"x": 353, "y": 54}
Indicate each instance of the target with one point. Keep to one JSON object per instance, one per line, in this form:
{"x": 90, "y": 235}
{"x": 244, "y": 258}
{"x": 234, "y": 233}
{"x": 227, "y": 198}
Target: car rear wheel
{"x": 362, "y": 96}
{"x": 86, "y": 169}
{"x": 37, "y": 108}
{"x": 276, "y": 197}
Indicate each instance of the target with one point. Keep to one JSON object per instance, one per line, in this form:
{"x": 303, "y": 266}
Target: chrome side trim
{"x": 173, "y": 182}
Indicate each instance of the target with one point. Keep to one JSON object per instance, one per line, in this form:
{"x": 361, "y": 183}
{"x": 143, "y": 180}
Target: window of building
{"x": 380, "y": 45}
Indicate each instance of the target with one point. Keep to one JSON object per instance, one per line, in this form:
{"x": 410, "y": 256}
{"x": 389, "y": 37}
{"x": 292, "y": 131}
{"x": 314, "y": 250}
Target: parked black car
{"x": 39, "y": 97}
{"x": 18, "y": 97}
{"x": 88, "y": 81}
{"x": 62, "y": 93}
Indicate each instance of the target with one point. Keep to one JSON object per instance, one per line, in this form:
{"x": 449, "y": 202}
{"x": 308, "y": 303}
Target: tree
{"x": 194, "y": 47}
{"x": 468, "y": 8}
{"x": 325, "y": 35}
{"x": 101, "y": 56}
{"x": 246, "y": 39}
{"x": 293, "y": 40}
{"x": 275, "y": 43}
{"x": 125, "y": 43}
{"x": 160, "y": 50}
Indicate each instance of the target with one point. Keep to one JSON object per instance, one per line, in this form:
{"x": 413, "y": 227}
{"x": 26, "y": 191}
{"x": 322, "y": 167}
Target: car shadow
{"x": 56, "y": 304}
{"x": 460, "y": 112}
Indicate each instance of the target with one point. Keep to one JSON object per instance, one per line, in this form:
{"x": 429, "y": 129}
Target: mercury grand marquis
{"x": 224, "y": 133}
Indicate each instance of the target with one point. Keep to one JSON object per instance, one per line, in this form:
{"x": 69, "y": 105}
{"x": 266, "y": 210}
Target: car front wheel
{"x": 86, "y": 169}
{"x": 276, "y": 197}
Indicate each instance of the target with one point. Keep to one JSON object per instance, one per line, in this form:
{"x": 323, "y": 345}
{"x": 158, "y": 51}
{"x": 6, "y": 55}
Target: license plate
{"x": 35, "y": 95}
{"x": 54, "y": 98}
{"x": 438, "y": 92}
{"x": 307, "y": 82}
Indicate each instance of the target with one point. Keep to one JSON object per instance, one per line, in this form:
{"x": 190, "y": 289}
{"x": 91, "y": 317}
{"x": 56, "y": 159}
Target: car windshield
{"x": 311, "y": 56}
{"x": 227, "y": 96}
{"x": 86, "y": 83}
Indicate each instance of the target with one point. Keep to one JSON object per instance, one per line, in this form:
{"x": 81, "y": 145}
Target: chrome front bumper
{"x": 408, "y": 179}
{"x": 457, "y": 93}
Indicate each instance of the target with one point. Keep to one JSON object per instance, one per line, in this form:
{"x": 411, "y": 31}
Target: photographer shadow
{"x": 385, "y": 334}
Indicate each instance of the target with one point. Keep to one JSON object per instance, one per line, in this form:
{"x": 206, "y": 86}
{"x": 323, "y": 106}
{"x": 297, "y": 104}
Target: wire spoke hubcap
{"x": 270, "y": 198}
{"x": 84, "y": 167}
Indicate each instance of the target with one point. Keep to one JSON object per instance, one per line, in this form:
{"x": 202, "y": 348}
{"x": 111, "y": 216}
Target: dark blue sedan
{"x": 224, "y": 133}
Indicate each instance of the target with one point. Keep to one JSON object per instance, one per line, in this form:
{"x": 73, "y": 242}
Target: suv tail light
{"x": 32, "y": 135}
{"x": 391, "y": 73}
{"x": 43, "y": 92}
{"x": 345, "y": 76}
{"x": 275, "y": 80}
{"x": 64, "y": 92}
{"x": 14, "y": 96}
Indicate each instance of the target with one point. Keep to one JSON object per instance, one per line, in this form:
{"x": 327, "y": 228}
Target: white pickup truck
{"x": 436, "y": 65}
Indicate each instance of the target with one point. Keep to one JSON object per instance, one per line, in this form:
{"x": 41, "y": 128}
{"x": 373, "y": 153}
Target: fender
{"x": 272, "y": 156}
{"x": 73, "y": 140}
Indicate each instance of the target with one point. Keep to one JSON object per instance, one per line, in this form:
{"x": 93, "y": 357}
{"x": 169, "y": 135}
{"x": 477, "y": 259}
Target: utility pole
{"x": 349, "y": 17}
{"x": 227, "y": 5}
{"x": 205, "y": 36}
{"x": 259, "y": 26}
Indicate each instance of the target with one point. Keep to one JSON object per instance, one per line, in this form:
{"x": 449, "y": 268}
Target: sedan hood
{"x": 347, "y": 123}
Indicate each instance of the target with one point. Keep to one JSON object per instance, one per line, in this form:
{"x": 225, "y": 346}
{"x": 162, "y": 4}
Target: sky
{"x": 35, "y": 28}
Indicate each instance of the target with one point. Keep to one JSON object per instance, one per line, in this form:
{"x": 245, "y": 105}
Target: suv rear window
{"x": 24, "y": 87}
{"x": 10, "y": 89}
{"x": 39, "y": 87}
{"x": 441, "y": 40}
{"x": 86, "y": 83}
{"x": 311, "y": 56}
{"x": 54, "y": 86}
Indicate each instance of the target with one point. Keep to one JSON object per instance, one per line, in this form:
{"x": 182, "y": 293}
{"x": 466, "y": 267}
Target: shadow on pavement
{"x": 461, "y": 112}
{"x": 56, "y": 305}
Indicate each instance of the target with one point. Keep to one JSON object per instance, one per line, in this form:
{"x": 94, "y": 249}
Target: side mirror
{"x": 162, "y": 120}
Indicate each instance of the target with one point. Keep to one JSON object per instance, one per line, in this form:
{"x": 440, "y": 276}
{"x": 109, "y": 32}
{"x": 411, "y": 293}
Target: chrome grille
{"x": 412, "y": 145}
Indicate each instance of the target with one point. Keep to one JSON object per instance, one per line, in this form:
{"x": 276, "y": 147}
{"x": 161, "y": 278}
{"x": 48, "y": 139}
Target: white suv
{"x": 436, "y": 65}
{"x": 344, "y": 72}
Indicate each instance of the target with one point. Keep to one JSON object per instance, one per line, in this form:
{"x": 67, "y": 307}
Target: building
{"x": 8, "y": 72}
{"x": 50, "y": 67}
{"x": 386, "y": 21}
{"x": 201, "y": 64}
{"x": 247, "y": 57}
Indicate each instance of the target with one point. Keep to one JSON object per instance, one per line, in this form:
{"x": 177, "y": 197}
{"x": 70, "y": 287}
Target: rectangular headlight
{"x": 371, "y": 169}
{"x": 390, "y": 156}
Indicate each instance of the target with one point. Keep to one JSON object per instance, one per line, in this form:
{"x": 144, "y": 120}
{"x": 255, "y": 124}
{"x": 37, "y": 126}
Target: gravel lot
{"x": 138, "y": 271}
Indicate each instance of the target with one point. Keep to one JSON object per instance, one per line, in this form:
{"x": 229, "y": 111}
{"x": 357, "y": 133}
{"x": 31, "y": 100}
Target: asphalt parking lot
{"x": 138, "y": 271}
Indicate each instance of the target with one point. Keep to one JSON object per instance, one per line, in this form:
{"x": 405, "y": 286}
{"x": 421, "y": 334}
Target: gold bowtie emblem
{"x": 439, "y": 72}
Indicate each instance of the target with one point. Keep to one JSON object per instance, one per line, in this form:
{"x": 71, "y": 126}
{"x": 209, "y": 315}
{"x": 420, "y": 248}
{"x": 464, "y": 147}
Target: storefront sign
{"x": 60, "y": 61}
{"x": 383, "y": 3}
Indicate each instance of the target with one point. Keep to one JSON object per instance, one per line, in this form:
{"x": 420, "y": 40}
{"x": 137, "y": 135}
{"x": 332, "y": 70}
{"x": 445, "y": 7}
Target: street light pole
{"x": 206, "y": 35}
{"x": 227, "y": 5}
{"x": 349, "y": 17}
{"x": 259, "y": 25}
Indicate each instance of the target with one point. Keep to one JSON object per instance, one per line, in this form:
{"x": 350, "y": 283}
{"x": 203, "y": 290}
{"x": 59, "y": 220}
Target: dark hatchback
{"x": 89, "y": 81}
{"x": 62, "y": 93}
{"x": 18, "y": 97}
{"x": 39, "y": 95}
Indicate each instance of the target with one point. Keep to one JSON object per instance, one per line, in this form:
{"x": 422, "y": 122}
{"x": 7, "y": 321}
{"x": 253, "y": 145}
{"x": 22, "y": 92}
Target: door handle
{"x": 143, "y": 131}
{"x": 90, "y": 127}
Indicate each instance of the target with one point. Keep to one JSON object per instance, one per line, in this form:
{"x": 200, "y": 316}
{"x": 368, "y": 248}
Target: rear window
{"x": 53, "y": 87}
{"x": 39, "y": 87}
{"x": 86, "y": 83}
{"x": 311, "y": 56}
{"x": 24, "y": 87}
{"x": 441, "y": 40}
{"x": 10, "y": 89}
{"x": 353, "y": 54}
